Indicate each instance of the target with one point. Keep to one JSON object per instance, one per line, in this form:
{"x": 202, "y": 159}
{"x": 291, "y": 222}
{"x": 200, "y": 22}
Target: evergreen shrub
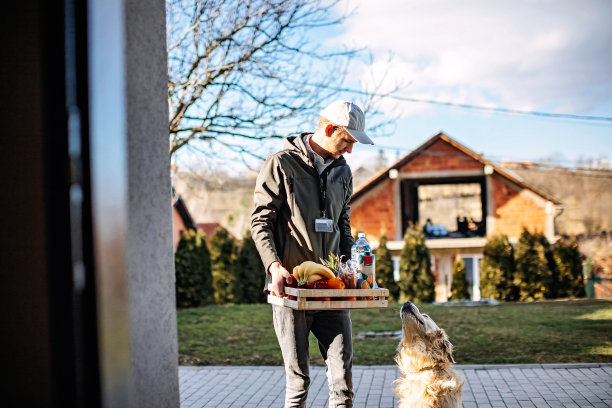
{"x": 192, "y": 265}
{"x": 226, "y": 283}
{"x": 533, "y": 275}
{"x": 497, "y": 270}
{"x": 384, "y": 269}
{"x": 569, "y": 263}
{"x": 251, "y": 273}
{"x": 417, "y": 283}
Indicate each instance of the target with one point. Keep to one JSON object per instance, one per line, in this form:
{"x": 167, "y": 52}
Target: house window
{"x": 452, "y": 210}
{"x": 445, "y": 208}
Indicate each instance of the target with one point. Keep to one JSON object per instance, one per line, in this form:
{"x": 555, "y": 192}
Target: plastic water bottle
{"x": 358, "y": 251}
{"x": 360, "y": 246}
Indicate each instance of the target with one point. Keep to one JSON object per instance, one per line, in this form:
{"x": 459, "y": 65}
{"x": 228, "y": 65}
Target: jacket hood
{"x": 296, "y": 144}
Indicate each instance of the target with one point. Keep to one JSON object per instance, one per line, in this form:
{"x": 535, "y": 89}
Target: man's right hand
{"x": 279, "y": 276}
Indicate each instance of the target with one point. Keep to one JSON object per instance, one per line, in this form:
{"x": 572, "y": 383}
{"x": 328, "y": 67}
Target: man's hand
{"x": 279, "y": 276}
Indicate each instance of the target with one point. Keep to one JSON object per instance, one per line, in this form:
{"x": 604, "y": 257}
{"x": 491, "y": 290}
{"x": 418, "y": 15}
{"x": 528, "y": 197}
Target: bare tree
{"x": 248, "y": 70}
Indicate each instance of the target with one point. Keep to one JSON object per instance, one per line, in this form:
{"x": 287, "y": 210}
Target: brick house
{"x": 459, "y": 198}
{"x": 181, "y": 219}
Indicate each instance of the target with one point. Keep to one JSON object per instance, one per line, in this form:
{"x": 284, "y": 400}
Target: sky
{"x": 551, "y": 56}
{"x": 528, "y": 55}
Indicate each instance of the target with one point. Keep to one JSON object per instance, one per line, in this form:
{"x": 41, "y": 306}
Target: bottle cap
{"x": 361, "y": 235}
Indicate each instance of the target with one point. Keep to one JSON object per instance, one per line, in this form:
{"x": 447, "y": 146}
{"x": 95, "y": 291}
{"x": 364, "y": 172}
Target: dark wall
{"x": 55, "y": 292}
{"x": 45, "y": 339}
{"x": 23, "y": 264}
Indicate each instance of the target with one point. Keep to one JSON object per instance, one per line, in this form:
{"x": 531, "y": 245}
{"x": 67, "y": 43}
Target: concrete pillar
{"x": 150, "y": 257}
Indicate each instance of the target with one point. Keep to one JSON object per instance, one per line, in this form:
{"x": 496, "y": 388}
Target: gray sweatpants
{"x": 333, "y": 331}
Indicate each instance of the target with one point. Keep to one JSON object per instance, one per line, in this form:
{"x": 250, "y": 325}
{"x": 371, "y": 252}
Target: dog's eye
{"x": 425, "y": 315}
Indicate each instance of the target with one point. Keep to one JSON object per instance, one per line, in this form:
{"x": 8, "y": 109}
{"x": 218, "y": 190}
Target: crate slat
{"x": 304, "y": 301}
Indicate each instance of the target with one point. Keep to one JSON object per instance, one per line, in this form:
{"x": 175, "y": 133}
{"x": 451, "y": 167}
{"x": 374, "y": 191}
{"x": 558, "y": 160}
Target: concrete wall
{"x": 154, "y": 368}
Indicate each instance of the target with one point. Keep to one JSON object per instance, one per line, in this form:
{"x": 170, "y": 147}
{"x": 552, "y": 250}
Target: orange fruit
{"x": 335, "y": 283}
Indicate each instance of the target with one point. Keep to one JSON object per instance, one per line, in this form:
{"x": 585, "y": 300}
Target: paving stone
{"x": 531, "y": 385}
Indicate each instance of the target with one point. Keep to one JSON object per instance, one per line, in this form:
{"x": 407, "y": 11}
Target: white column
{"x": 490, "y": 204}
{"x": 476, "y": 278}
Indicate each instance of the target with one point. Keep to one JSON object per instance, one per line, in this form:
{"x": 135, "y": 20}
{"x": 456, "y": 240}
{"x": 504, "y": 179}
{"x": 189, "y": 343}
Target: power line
{"x": 505, "y": 110}
{"x": 481, "y": 108}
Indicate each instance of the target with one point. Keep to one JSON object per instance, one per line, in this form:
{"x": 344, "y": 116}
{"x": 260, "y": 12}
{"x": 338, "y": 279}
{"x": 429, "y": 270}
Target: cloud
{"x": 538, "y": 54}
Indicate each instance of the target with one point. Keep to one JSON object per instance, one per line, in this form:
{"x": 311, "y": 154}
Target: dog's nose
{"x": 406, "y": 306}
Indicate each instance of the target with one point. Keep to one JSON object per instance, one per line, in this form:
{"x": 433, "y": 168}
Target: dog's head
{"x": 424, "y": 338}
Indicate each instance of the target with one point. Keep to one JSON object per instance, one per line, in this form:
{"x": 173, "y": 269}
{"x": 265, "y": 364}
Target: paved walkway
{"x": 531, "y": 385}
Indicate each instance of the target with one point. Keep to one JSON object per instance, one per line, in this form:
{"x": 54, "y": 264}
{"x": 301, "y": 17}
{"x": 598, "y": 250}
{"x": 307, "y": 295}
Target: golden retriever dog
{"x": 425, "y": 359}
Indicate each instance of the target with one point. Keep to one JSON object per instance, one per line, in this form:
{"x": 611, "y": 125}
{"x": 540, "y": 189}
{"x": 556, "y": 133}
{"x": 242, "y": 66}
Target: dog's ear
{"x": 447, "y": 347}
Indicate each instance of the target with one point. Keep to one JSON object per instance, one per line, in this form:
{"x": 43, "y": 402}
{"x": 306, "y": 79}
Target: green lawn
{"x": 539, "y": 332}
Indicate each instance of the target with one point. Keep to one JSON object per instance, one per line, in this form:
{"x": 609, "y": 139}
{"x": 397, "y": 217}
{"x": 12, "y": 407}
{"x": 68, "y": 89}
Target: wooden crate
{"x": 304, "y": 299}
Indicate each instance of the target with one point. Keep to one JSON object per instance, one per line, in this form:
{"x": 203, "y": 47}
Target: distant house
{"x": 459, "y": 198}
{"x": 209, "y": 228}
{"x": 181, "y": 219}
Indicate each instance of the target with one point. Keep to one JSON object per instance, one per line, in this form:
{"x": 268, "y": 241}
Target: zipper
{"x": 323, "y": 199}
{"x": 291, "y": 195}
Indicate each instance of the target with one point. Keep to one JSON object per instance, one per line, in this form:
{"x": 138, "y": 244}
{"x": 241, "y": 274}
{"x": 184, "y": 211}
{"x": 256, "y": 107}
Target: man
{"x": 302, "y": 213}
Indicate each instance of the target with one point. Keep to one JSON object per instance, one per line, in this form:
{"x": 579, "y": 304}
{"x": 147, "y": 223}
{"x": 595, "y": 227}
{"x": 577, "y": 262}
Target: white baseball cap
{"x": 350, "y": 117}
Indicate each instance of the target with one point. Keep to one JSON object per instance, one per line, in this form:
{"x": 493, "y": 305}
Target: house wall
{"x": 603, "y": 289}
{"x": 515, "y": 209}
{"x": 442, "y": 264}
{"x": 178, "y": 227}
{"x": 375, "y": 212}
{"x": 441, "y": 156}
{"x": 510, "y": 208}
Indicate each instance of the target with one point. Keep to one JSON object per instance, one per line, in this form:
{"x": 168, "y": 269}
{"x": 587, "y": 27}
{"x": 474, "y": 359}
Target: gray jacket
{"x": 288, "y": 199}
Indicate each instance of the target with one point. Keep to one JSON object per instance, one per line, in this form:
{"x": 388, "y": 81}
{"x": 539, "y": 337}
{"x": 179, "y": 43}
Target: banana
{"x": 315, "y": 268}
{"x": 309, "y": 271}
{"x": 313, "y": 277}
{"x": 297, "y": 272}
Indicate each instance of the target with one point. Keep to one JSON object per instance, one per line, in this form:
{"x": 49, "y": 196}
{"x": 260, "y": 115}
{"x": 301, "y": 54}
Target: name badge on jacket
{"x": 324, "y": 225}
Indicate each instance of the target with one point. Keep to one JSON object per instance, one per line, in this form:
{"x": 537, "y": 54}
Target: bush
{"x": 226, "y": 282}
{"x": 569, "y": 263}
{"x": 250, "y": 272}
{"x": 533, "y": 275}
{"x": 417, "y": 283}
{"x": 459, "y": 287}
{"x": 498, "y": 269}
{"x": 384, "y": 269}
{"x": 193, "y": 285}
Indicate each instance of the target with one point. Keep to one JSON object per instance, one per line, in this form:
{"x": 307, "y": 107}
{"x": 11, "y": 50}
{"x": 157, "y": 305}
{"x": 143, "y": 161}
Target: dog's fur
{"x": 425, "y": 359}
